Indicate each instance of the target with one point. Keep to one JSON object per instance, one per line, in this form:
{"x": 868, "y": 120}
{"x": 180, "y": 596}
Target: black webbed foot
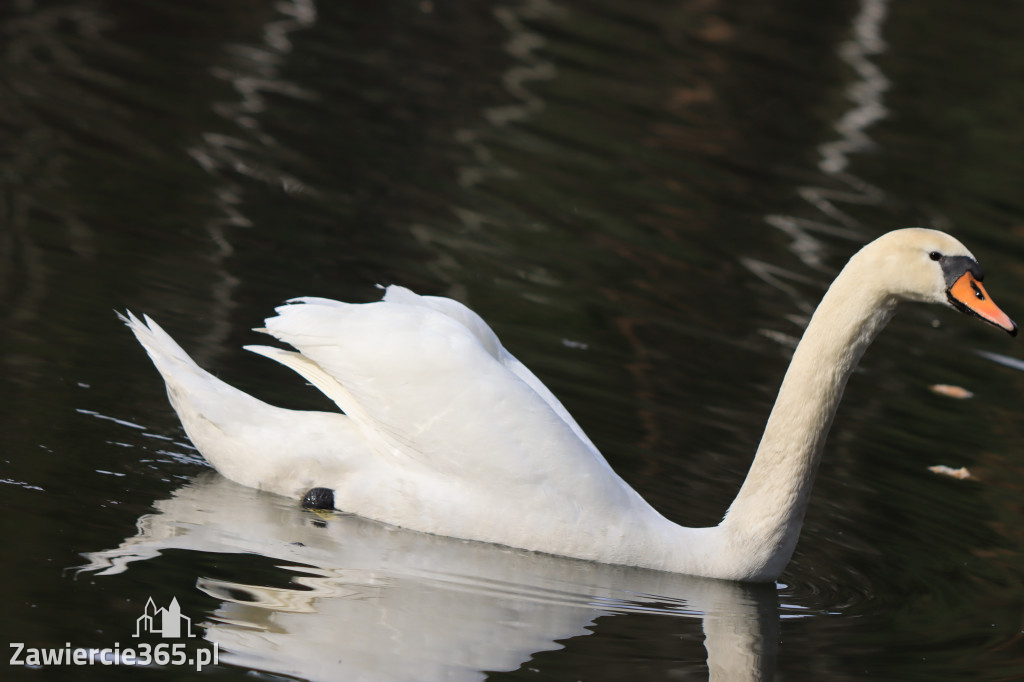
{"x": 318, "y": 498}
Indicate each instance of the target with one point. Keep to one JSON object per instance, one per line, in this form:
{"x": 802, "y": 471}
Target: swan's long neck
{"x": 762, "y": 525}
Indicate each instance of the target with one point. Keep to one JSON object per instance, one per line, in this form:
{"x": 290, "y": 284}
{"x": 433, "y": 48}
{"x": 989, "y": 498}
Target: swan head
{"x": 930, "y": 266}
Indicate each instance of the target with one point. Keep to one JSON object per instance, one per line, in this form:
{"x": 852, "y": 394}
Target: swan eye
{"x": 935, "y": 255}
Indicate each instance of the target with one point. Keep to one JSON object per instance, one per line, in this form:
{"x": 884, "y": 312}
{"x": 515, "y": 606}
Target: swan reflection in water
{"x": 375, "y": 602}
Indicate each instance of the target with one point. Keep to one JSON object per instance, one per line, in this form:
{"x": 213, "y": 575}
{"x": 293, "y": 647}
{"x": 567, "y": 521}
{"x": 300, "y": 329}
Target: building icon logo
{"x": 168, "y": 623}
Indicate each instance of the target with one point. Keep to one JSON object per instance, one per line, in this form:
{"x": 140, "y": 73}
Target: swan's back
{"x": 469, "y": 442}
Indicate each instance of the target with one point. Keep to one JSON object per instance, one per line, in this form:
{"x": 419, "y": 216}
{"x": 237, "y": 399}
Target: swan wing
{"x": 480, "y": 329}
{"x": 430, "y": 388}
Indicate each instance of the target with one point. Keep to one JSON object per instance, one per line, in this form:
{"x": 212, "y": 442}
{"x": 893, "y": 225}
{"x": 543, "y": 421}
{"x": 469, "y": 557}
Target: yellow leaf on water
{"x": 951, "y": 391}
{"x": 961, "y": 473}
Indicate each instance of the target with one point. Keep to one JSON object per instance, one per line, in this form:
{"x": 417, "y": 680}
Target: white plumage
{"x": 444, "y": 431}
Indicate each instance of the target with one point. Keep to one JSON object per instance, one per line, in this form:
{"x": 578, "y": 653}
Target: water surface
{"x": 646, "y": 202}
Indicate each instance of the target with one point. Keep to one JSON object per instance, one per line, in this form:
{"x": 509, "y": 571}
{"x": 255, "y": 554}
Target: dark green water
{"x": 645, "y": 200}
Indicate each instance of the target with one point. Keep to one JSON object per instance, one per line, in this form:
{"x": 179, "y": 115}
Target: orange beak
{"x": 969, "y": 296}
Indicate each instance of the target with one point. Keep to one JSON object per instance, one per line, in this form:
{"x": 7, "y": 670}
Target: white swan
{"x": 445, "y": 432}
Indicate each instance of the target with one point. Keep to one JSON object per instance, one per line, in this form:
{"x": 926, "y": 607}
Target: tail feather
{"x": 244, "y": 438}
{"x": 195, "y": 394}
{"x": 161, "y": 348}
